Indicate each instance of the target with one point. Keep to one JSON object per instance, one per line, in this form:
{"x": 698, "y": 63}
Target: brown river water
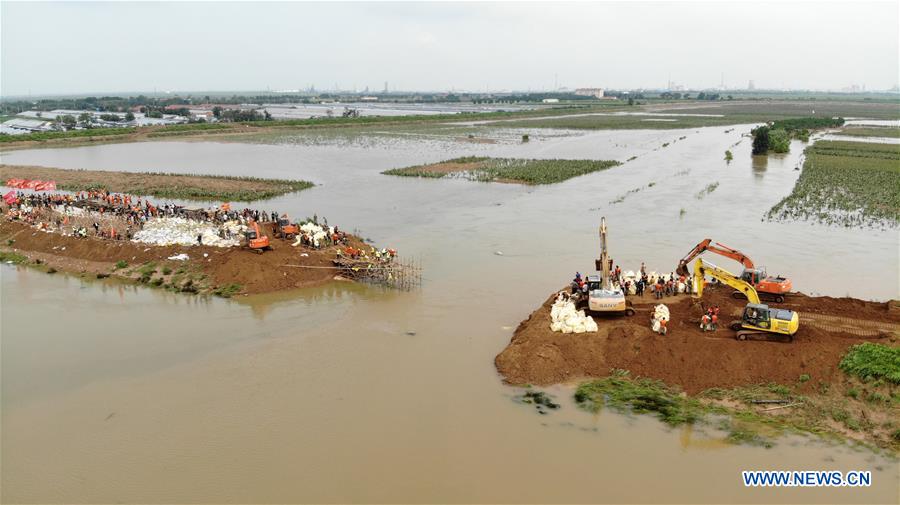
{"x": 349, "y": 393}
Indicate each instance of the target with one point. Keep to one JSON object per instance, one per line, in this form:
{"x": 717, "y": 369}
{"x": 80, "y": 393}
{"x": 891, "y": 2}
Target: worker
{"x": 662, "y": 327}
{"x": 704, "y": 322}
{"x": 714, "y": 322}
{"x": 660, "y": 287}
{"x": 643, "y": 269}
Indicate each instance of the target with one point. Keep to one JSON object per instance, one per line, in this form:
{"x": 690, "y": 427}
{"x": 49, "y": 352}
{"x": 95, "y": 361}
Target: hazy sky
{"x": 81, "y": 47}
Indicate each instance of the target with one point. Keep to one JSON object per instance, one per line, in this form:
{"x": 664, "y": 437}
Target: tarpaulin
{"x": 31, "y": 184}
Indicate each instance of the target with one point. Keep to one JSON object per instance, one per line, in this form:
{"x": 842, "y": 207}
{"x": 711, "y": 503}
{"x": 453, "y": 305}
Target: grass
{"x": 832, "y": 411}
{"x": 40, "y": 136}
{"x": 228, "y": 290}
{"x": 870, "y": 361}
{"x": 527, "y": 171}
{"x": 161, "y": 185}
{"x": 14, "y": 258}
{"x": 639, "y": 395}
{"x": 846, "y": 183}
{"x": 870, "y": 132}
{"x": 121, "y": 264}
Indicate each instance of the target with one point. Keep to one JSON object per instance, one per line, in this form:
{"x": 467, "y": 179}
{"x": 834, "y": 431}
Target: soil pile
{"x": 687, "y": 356}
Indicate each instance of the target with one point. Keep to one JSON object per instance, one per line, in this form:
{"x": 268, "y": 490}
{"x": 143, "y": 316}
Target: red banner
{"x": 30, "y": 184}
{"x": 9, "y": 198}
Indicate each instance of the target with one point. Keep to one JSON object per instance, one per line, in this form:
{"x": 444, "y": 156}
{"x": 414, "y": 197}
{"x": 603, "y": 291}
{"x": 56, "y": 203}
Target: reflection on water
{"x": 352, "y": 393}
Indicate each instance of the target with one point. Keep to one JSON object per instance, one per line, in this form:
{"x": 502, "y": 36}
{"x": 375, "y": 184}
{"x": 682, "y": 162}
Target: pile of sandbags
{"x": 315, "y": 233}
{"x": 165, "y": 231}
{"x": 660, "y": 313}
{"x": 564, "y": 318}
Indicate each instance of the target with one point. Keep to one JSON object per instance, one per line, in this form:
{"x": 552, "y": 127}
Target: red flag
{"x": 9, "y": 198}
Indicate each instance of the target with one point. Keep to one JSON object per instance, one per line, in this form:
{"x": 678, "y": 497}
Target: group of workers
{"x": 710, "y": 320}
{"x": 374, "y": 255}
{"x": 117, "y": 216}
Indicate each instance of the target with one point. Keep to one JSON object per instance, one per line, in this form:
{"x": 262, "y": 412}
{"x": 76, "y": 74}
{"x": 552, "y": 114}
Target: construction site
{"x": 190, "y": 250}
{"x": 702, "y": 328}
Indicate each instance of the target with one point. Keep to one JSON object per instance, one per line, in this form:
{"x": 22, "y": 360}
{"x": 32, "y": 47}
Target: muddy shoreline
{"x": 209, "y": 270}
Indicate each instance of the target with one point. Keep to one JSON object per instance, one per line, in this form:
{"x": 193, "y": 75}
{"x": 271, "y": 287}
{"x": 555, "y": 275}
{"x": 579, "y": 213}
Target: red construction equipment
{"x": 769, "y": 288}
{"x": 284, "y": 229}
{"x": 256, "y": 241}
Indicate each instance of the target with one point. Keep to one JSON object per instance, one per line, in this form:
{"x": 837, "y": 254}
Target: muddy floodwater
{"x": 350, "y": 393}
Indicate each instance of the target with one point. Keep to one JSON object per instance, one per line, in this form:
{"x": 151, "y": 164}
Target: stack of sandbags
{"x": 315, "y": 232}
{"x": 165, "y": 231}
{"x": 660, "y": 313}
{"x": 564, "y": 318}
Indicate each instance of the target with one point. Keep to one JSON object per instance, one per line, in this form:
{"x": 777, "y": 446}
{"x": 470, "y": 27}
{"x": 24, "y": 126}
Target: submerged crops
{"x": 528, "y": 171}
{"x": 846, "y": 184}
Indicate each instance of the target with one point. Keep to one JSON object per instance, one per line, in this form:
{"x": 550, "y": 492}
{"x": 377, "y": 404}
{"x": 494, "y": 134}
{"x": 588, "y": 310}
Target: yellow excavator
{"x": 758, "y": 321}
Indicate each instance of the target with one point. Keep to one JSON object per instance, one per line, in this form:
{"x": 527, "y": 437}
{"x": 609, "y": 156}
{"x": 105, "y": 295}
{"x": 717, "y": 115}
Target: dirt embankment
{"x": 208, "y": 269}
{"x": 184, "y": 186}
{"x": 689, "y": 358}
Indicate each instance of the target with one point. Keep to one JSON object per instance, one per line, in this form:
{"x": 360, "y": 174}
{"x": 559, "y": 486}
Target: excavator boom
{"x": 703, "y": 268}
{"x": 718, "y": 248}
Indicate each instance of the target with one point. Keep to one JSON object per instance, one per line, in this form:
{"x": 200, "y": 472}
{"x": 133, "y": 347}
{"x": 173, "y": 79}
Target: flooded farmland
{"x": 350, "y": 393}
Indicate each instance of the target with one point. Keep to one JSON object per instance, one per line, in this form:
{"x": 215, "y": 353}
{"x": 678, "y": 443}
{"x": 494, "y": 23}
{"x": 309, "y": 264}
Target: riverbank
{"x": 207, "y": 270}
{"x": 718, "y": 367}
{"x": 162, "y": 185}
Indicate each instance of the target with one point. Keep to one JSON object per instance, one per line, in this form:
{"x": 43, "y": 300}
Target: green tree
{"x": 761, "y": 140}
{"x": 68, "y": 121}
{"x": 631, "y": 101}
{"x": 85, "y": 119}
{"x": 779, "y": 141}
{"x": 129, "y": 116}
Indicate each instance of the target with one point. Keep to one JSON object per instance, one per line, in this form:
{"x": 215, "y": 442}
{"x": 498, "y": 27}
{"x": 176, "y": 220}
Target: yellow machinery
{"x": 758, "y": 320}
{"x": 602, "y": 297}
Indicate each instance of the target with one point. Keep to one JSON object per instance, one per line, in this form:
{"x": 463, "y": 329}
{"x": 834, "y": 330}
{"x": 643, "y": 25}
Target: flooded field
{"x": 350, "y": 393}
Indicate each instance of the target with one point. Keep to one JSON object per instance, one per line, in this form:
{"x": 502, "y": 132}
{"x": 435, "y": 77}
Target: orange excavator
{"x": 284, "y": 229}
{"x": 768, "y": 288}
{"x": 256, "y": 241}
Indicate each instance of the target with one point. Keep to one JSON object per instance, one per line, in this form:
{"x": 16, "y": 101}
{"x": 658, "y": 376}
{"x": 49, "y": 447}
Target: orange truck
{"x": 772, "y": 288}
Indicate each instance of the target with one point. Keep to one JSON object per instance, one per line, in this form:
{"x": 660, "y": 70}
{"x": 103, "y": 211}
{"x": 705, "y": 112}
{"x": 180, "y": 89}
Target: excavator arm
{"x": 704, "y": 268}
{"x": 718, "y": 248}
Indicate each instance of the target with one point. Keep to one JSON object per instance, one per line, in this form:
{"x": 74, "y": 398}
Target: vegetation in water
{"x": 707, "y": 190}
{"x": 729, "y": 156}
{"x": 756, "y": 414}
{"x": 870, "y": 361}
{"x": 527, "y": 171}
{"x": 12, "y": 257}
{"x": 870, "y": 132}
{"x": 776, "y": 135}
{"x": 846, "y": 183}
{"x": 228, "y": 290}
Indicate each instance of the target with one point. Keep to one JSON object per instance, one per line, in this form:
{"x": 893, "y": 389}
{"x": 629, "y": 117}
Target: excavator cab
{"x": 760, "y": 317}
{"x": 753, "y": 275}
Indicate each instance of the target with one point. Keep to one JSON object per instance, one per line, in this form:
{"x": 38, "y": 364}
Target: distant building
{"x": 368, "y": 99}
{"x": 550, "y": 100}
{"x": 594, "y": 92}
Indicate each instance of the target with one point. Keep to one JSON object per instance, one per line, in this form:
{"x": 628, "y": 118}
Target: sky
{"x": 94, "y": 47}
